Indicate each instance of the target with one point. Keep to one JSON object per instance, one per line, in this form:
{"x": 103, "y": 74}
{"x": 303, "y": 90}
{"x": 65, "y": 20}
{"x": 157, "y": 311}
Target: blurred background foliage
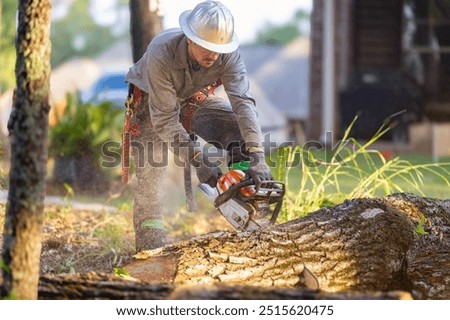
{"x": 284, "y": 33}
{"x": 74, "y": 33}
{"x": 84, "y": 128}
{"x": 7, "y": 50}
{"x": 76, "y": 144}
{"x": 78, "y": 34}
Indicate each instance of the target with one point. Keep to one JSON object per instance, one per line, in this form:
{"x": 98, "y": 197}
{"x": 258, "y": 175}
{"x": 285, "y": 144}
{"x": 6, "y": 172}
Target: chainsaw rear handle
{"x": 261, "y": 189}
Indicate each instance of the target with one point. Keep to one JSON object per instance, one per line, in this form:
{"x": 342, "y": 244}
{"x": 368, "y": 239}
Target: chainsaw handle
{"x": 234, "y": 189}
{"x": 244, "y": 183}
{"x": 228, "y": 194}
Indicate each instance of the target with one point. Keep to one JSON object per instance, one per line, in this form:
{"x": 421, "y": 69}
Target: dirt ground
{"x": 76, "y": 240}
{"x": 83, "y": 238}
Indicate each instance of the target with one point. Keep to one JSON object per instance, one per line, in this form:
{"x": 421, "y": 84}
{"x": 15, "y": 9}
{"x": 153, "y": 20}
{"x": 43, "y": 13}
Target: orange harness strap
{"x": 133, "y": 101}
{"x": 194, "y": 103}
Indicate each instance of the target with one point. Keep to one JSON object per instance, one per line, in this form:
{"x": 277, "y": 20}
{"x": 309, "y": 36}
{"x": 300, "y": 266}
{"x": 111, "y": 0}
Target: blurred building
{"x": 376, "y": 58}
{"x": 282, "y": 73}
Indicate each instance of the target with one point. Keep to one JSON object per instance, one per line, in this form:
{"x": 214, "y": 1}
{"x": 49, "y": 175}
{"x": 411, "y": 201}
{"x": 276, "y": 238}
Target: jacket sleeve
{"x": 237, "y": 87}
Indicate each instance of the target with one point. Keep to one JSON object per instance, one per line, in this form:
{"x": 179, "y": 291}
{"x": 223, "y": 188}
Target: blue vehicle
{"x": 110, "y": 87}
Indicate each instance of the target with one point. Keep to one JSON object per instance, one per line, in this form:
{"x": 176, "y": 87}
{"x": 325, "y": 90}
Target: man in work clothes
{"x": 173, "y": 86}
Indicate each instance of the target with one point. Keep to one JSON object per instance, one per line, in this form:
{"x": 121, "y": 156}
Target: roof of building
{"x": 282, "y": 73}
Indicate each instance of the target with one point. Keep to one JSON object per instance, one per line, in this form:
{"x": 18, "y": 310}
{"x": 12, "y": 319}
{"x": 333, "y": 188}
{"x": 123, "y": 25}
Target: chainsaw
{"x": 244, "y": 204}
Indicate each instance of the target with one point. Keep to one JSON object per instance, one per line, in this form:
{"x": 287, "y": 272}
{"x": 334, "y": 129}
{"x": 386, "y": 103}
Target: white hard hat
{"x": 211, "y": 26}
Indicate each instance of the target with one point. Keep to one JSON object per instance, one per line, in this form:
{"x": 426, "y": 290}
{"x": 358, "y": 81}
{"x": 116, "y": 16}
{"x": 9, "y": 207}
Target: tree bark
{"x": 360, "y": 245}
{"x": 99, "y": 286}
{"x": 104, "y": 286}
{"x": 145, "y": 23}
{"x": 27, "y": 125}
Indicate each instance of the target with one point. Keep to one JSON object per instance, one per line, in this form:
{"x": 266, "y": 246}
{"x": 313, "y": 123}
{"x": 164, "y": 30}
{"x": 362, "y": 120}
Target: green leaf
{"x": 70, "y": 193}
{"x": 153, "y": 223}
{"x": 11, "y": 296}
{"x": 420, "y": 229}
{"x": 3, "y": 266}
{"x": 121, "y": 272}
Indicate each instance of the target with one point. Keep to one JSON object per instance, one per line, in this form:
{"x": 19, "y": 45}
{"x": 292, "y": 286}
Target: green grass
{"x": 316, "y": 179}
{"x": 431, "y": 185}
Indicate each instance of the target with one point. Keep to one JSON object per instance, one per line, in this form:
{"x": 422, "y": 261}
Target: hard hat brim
{"x": 219, "y": 48}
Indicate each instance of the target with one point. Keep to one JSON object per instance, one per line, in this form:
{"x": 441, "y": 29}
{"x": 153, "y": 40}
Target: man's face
{"x": 202, "y": 56}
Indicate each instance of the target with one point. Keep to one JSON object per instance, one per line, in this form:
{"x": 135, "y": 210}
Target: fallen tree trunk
{"x": 361, "y": 245}
{"x": 99, "y": 286}
{"x": 105, "y": 286}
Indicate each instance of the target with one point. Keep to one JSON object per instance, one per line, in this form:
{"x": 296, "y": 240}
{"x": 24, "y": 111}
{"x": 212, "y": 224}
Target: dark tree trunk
{"x": 28, "y": 128}
{"x": 363, "y": 245}
{"x": 145, "y": 24}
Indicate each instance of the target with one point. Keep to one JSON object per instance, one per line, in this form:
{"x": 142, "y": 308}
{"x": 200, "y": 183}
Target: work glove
{"x": 259, "y": 170}
{"x": 207, "y": 172}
